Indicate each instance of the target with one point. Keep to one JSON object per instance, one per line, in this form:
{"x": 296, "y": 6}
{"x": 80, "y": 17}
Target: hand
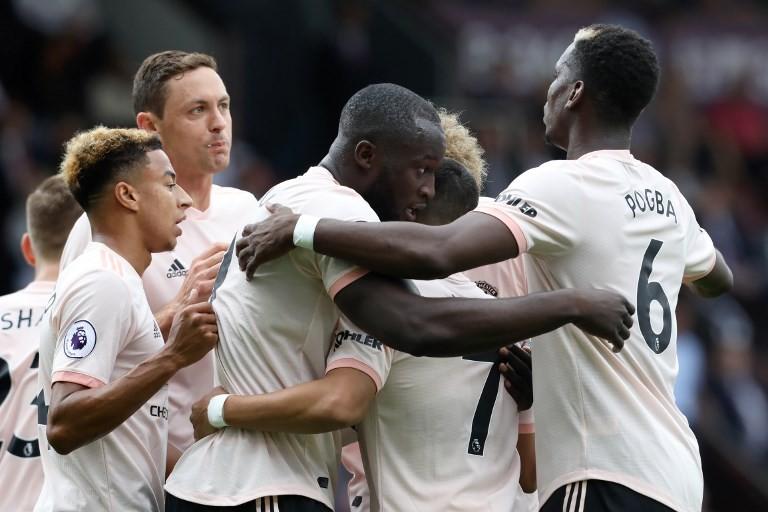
{"x": 202, "y": 273}
{"x": 605, "y": 314}
{"x": 199, "y": 415}
{"x": 516, "y": 369}
{"x": 266, "y": 240}
{"x": 194, "y": 331}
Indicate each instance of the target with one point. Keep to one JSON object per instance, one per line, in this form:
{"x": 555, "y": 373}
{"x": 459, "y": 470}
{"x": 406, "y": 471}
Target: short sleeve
{"x": 347, "y": 205}
{"x": 78, "y": 239}
{"x": 540, "y": 210}
{"x": 353, "y": 348}
{"x": 700, "y": 250}
{"x": 93, "y": 327}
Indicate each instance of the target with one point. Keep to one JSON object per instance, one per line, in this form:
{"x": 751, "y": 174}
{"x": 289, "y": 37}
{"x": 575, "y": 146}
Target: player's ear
{"x": 365, "y": 153}
{"x": 576, "y": 94}
{"x": 146, "y": 121}
{"x": 127, "y": 196}
{"x": 27, "y": 251}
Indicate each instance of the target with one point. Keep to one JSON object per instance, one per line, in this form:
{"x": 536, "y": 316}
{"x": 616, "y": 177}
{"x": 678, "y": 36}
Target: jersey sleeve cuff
{"x": 495, "y": 211}
{"x": 77, "y": 378}
{"x": 345, "y": 280}
{"x": 698, "y": 275}
{"x": 349, "y": 362}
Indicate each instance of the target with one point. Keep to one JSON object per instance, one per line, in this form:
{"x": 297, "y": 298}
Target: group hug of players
{"x": 187, "y": 347}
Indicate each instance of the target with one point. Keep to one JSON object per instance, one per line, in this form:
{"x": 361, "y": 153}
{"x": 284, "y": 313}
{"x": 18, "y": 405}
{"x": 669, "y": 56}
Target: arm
{"x": 339, "y": 399}
{"x": 79, "y": 415}
{"x": 402, "y": 249}
{"x": 450, "y": 327}
{"x": 717, "y": 282}
{"x": 527, "y": 452}
{"x": 201, "y": 275}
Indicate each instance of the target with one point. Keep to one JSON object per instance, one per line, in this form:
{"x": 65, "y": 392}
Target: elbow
{"x": 435, "y": 264}
{"x": 528, "y": 483}
{"x": 342, "y": 409}
{"x": 60, "y": 438}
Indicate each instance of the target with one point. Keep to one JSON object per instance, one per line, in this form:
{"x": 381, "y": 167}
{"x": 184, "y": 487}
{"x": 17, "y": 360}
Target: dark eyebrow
{"x": 170, "y": 173}
{"x": 200, "y": 101}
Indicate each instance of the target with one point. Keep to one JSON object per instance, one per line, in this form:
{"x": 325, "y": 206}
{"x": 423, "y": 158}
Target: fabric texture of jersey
{"x": 98, "y": 327}
{"x": 440, "y": 433}
{"x": 21, "y": 470}
{"x": 612, "y": 222}
{"x": 275, "y": 332}
{"x": 162, "y": 282}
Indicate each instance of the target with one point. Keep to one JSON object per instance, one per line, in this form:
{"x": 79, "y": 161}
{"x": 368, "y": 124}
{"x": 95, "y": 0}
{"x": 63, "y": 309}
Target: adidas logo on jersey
{"x": 176, "y": 270}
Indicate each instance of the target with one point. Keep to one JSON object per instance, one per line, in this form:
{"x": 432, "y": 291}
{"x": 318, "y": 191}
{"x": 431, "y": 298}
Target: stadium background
{"x": 290, "y": 65}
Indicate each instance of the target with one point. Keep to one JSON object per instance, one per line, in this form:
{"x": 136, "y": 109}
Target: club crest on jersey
{"x": 80, "y": 339}
{"x": 176, "y": 269}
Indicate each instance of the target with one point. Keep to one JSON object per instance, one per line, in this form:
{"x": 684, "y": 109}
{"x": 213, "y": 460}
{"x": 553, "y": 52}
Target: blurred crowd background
{"x": 289, "y": 66}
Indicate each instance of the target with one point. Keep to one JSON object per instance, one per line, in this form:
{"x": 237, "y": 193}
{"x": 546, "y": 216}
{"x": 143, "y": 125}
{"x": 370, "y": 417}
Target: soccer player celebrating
{"x": 181, "y": 97}
{"x": 426, "y": 447}
{"x": 276, "y": 329}
{"x": 608, "y": 424}
{"x": 103, "y": 364}
{"x": 51, "y": 212}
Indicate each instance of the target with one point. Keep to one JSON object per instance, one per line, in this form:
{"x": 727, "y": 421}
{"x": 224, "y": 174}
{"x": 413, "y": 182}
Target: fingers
{"x": 630, "y": 307}
{"x": 211, "y": 251}
{"x": 244, "y": 250}
{"x": 251, "y": 267}
{"x": 519, "y": 361}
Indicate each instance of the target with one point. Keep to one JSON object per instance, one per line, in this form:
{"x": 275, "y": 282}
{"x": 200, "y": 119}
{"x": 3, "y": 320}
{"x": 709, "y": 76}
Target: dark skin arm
{"x": 717, "y": 282}
{"x": 401, "y": 249}
{"x": 447, "y": 327}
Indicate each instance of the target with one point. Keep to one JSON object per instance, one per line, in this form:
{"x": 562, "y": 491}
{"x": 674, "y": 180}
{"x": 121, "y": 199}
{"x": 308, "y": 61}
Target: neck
{"x": 198, "y": 186}
{"x": 125, "y": 240}
{"x": 46, "y": 271}
{"x": 581, "y": 142}
{"x": 335, "y": 165}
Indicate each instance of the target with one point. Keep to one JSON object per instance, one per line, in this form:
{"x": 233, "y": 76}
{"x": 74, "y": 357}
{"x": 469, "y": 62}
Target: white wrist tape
{"x": 304, "y": 231}
{"x": 216, "y": 411}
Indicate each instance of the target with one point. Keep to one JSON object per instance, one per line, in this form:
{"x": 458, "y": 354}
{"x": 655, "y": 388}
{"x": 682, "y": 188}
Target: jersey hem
{"x": 230, "y": 501}
{"x": 596, "y": 474}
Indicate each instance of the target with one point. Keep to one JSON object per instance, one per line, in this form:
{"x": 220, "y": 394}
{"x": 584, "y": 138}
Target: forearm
{"x": 527, "y": 452}
{"x": 401, "y": 249}
{"x": 416, "y": 251}
{"x": 323, "y": 405}
{"x": 453, "y": 327}
{"x": 84, "y": 416}
{"x": 164, "y": 318}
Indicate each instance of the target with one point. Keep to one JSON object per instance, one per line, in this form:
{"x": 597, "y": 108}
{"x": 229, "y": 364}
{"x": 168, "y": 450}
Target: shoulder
{"x": 227, "y": 195}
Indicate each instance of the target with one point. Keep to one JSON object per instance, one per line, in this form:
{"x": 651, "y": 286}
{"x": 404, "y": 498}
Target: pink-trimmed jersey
{"x": 98, "y": 327}
{"x": 441, "y": 432}
{"x": 21, "y": 470}
{"x": 612, "y": 222}
{"x": 162, "y": 282}
{"x": 275, "y": 332}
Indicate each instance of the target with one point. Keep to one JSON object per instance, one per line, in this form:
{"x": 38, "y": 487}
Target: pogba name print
{"x": 640, "y": 202}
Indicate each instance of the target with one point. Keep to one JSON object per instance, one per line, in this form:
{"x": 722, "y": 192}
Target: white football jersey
{"x": 612, "y": 222}
{"x": 21, "y": 470}
{"x": 441, "y": 433}
{"x": 162, "y": 282}
{"x": 98, "y": 327}
{"x": 274, "y": 333}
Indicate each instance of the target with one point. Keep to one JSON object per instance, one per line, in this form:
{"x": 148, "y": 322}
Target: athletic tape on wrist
{"x": 216, "y": 411}
{"x": 304, "y": 231}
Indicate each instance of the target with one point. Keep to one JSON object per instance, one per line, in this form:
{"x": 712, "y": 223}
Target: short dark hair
{"x": 101, "y": 156}
{"x": 51, "y": 213}
{"x": 149, "y": 91}
{"x": 619, "y": 69}
{"x": 456, "y": 193}
{"x": 384, "y": 113}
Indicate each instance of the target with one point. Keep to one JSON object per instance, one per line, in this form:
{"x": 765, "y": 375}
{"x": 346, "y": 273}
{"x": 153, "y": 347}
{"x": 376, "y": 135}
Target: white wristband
{"x": 216, "y": 411}
{"x": 304, "y": 231}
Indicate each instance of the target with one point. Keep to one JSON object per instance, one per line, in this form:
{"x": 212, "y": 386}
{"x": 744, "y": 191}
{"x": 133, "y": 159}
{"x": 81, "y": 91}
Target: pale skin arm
{"x": 339, "y": 399}
{"x": 79, "y": 415}
{"x": 201, "y": 275}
